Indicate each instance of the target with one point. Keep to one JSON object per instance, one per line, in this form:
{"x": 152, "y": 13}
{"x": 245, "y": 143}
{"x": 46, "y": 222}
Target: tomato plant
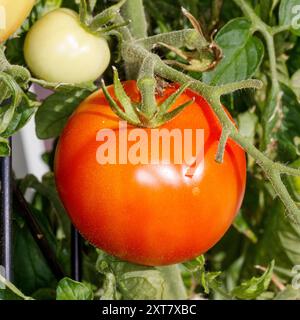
{"x": 13, "y": 14}
{"x": 127, "y": 209}
{"x": 59, "y": 49}
{"x": 169, "y": 70}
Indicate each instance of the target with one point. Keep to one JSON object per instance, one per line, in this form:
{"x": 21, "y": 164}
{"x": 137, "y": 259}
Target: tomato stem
{"x": 134, "y": 11}
{"x": 222, "y": 144}
{"x": 147, "y": 113}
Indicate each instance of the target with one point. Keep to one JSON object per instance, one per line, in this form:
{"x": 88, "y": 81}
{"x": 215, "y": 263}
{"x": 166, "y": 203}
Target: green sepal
{"x": 164, "y": 118}
{"x": 123, "y": 98}
{"x": 166, "y": 105}
{"x": 115, "y": 108}
{"x": 106, "y": 16}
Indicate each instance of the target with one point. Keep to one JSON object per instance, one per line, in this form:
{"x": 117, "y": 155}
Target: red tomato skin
{"x": 148, "y": 214}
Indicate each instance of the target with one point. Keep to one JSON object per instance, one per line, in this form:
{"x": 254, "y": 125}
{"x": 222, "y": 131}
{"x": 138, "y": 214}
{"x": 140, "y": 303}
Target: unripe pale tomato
{"x": 58, "y": 49}
{"x": 12, "y": 15}
{"x": 151, "y": 214}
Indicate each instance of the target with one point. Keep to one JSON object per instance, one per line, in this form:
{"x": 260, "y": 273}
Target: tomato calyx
{"x": 148, "y": 113}
{"x": 102, "y": 24}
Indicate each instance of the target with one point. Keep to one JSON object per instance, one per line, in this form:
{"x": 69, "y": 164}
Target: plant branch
{"x": 278, "y": 29}
{"x": 179, "y": 38}
{"x": 235, "y": 86}
{"x": 222, "y": 144}
{"x": 134, "y": 11}
{"x": 132, "y": 51}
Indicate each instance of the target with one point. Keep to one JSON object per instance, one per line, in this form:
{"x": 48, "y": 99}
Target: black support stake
{"x": 6, "y": 216}
{"x": 76, "y": 256}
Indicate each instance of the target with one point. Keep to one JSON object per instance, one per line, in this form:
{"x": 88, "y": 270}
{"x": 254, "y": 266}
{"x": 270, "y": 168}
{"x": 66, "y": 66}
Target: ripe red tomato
{"x": 148, "y": 214}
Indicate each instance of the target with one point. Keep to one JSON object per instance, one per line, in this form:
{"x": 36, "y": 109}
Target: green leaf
{"x": 296, "y": 83}
{"x": 4, "y": 147}
{"x": 254, "y": 287}
{"x": 279, "y": 241}
{"x": 139, "y": 282}
{"x": 53, "y": 114}
{"x": 6, "y": 294}
{"x": 47, "y": 189}
{"x": 293, "y": 61}
{"x": 22, "y": 115}
{"x": 242, "y": 52}
{"x": 289, "y": 293}
{"x": 247, "y": 122}
{"x": 31, "y": 271}
{"x": 134, "y": 281}
{"x": 173, "y": 284}
{"x": 208, "y": 280}
{"x": 288, "y": 127}
{"x": 196, "y": 264}
{"x": 15, "y": 94}
{"x": 289, "y": 15}
{"x": 44, "y": 294}
{"x": 242, "y": 226}
{"x": 266, "y": 10}
{"x": 44, "y": 6}
{"x": 69, "y": 289}
{"x": 109, "y": 287}
{"x": 141, "y": 285}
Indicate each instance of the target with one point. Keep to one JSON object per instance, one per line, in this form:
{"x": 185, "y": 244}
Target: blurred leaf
{"x": 4, "y": 147}
{"x": 209, "y": 278}
{"x": 293, "y": 61}
{"x": 289, "y": 293}
{"x": 242, "y": 52}
{"x": 136, "y": 281}
{"x": 48, "y": 190}
{"x": 242, "y": 226}
{"x": 296, "y": 83}
{"x": 13, "y": 96}
{"x": 247, "y": 122}
{"x": 69, "y": 289}
{"x": 233, "y": 273}
{"x": 289, "y": 126}
{"x": 254, "y": 287}
{"x": 280, "y": 241}
{"x": 206, "y": 279}
{"x": 133, "y": 281}
{"x": 196, "y": 264}
{"x": 53, "y": 114}
{"x": 266, "y": 10}
{"x": 6, "y": 294}
{"x": 289, "y": 11}
{"x": 109, "y": 287}
{"x": 31, "y": 270}
{"x": 22, "y": 115}
{"x": 44, "y": 294}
